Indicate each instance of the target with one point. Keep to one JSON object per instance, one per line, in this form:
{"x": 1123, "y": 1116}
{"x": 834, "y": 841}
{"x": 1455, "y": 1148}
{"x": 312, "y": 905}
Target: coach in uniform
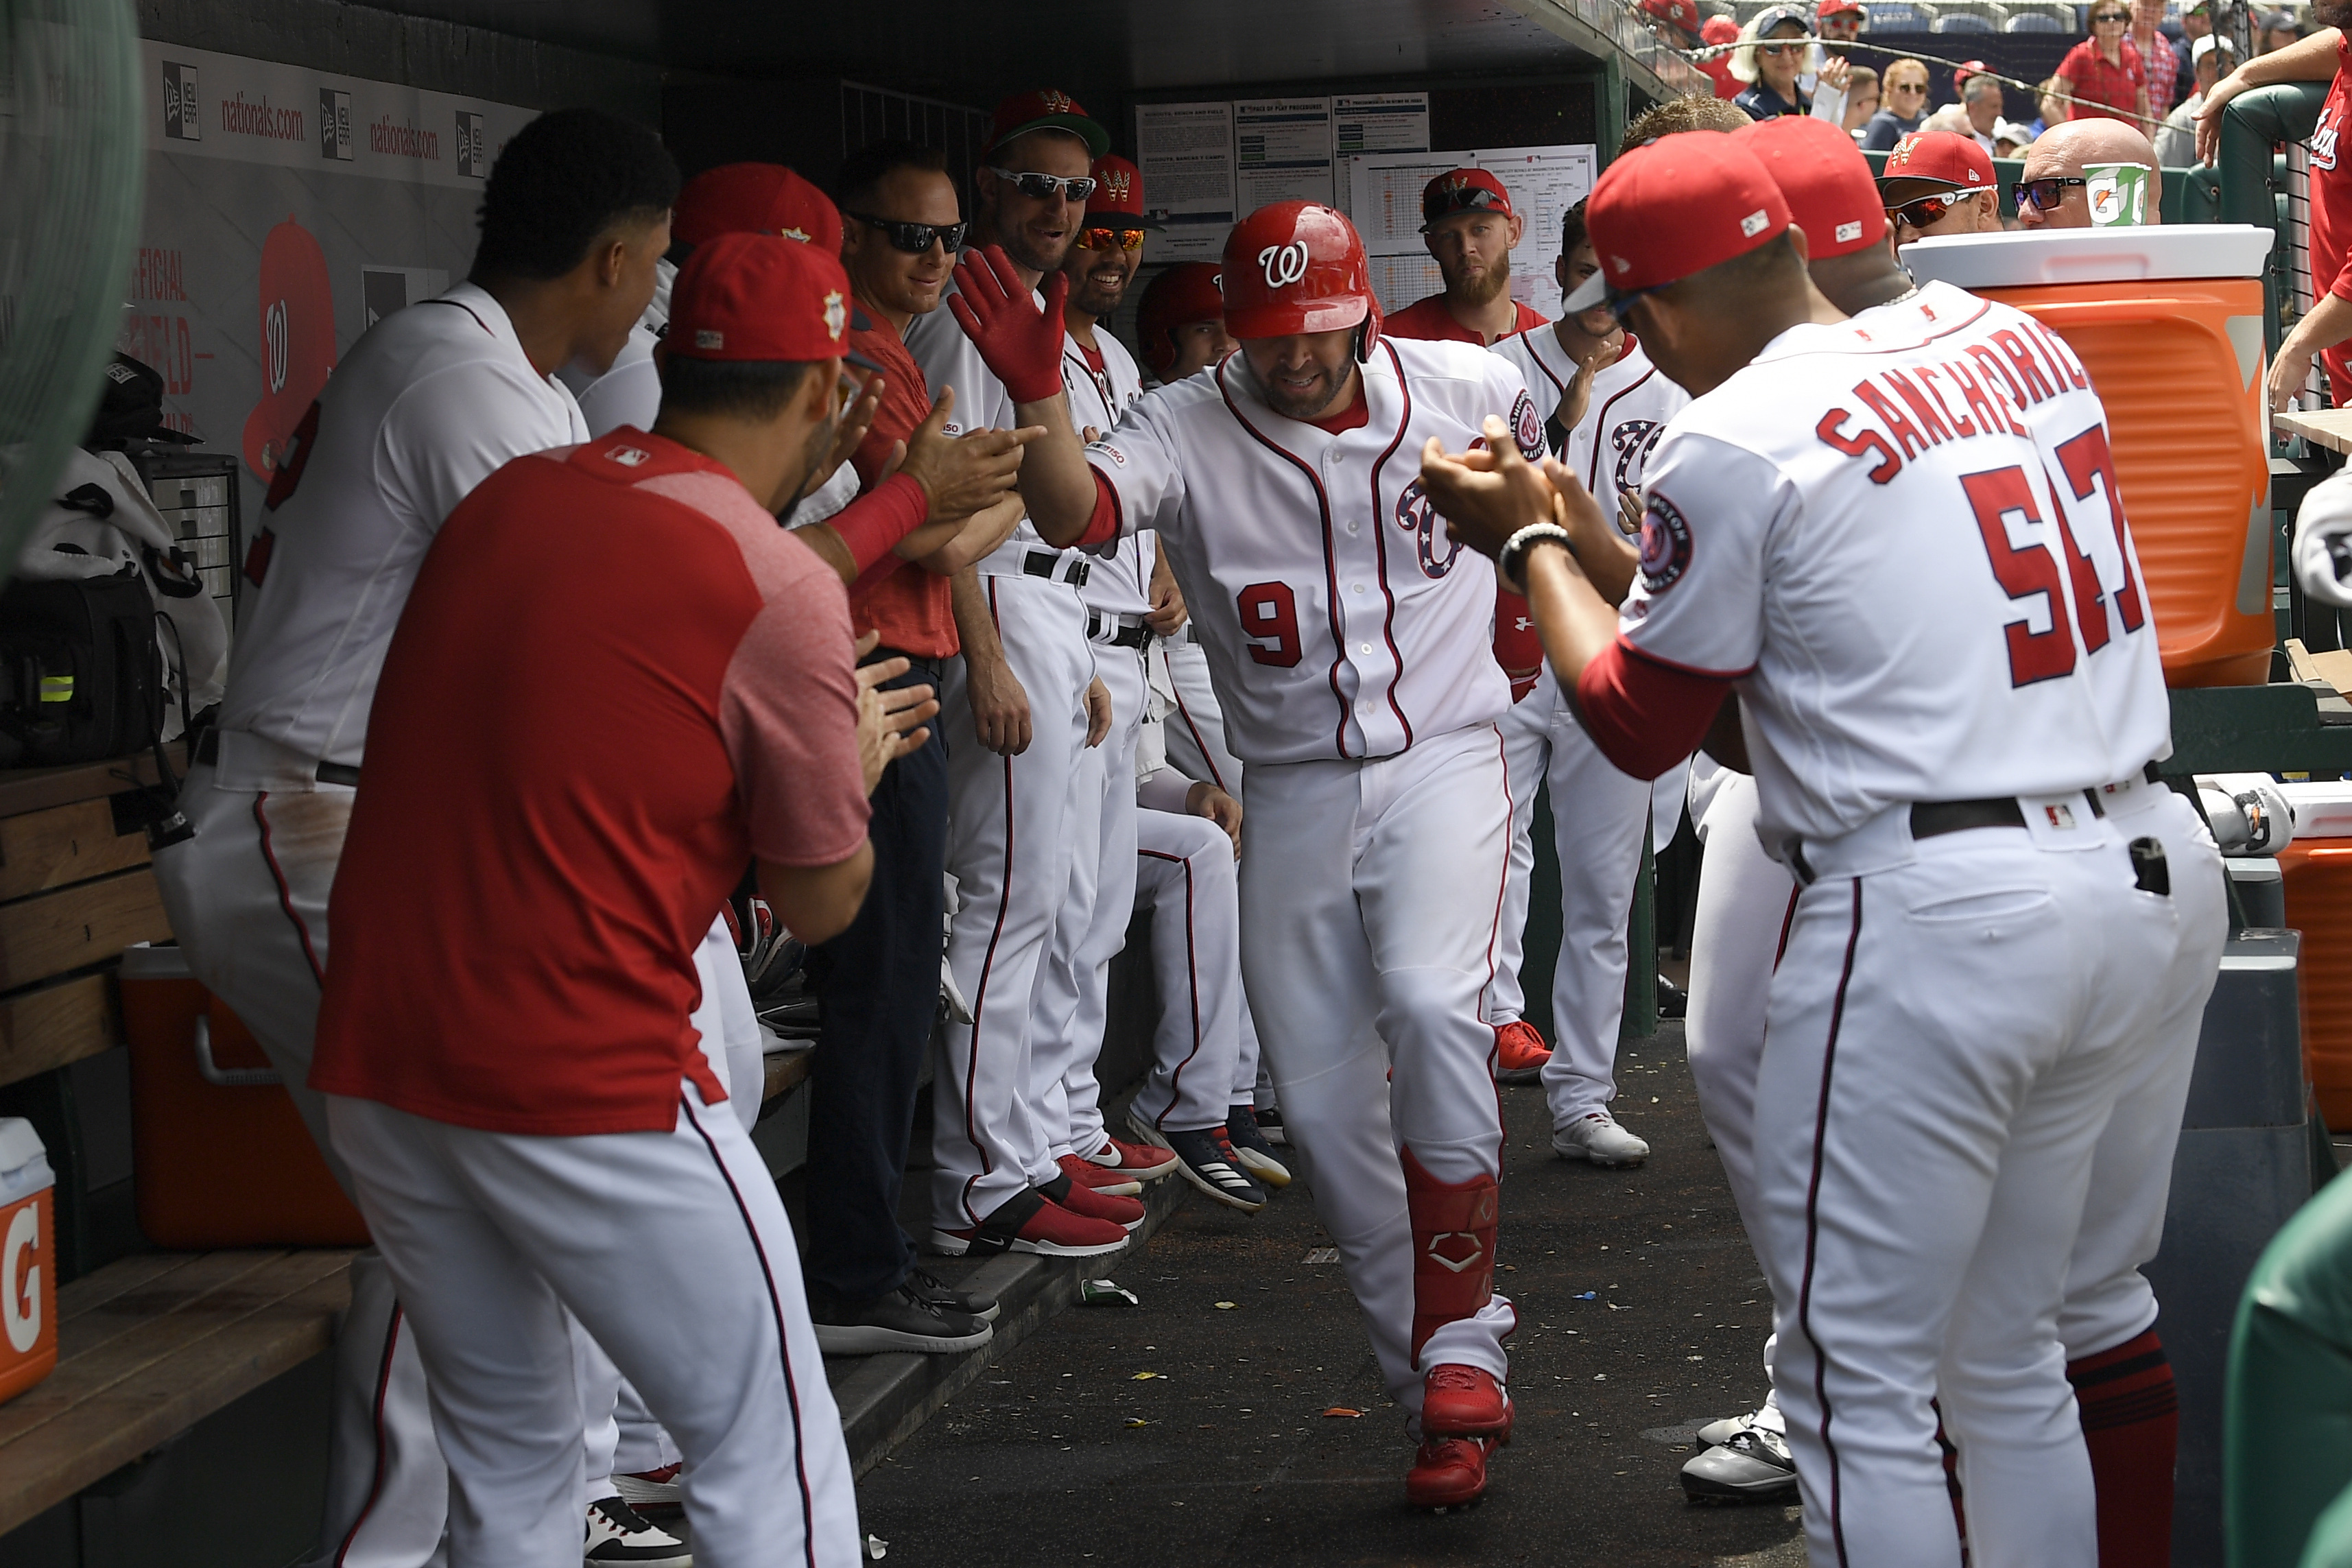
{"x": 1963, "y": 995}
{"x": 1468, "y": 224}
{"x": 513, "y": 1119}
{"x": 1940, "y": 182}
{"x": 574, "y": 219}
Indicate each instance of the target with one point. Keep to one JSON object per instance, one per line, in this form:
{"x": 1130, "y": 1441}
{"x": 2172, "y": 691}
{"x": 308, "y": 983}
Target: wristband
{"x": 1510, "y": 563}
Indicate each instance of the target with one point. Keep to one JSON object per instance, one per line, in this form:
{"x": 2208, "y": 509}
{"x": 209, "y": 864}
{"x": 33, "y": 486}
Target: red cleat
{"x": 1028, "y": 1222}
{"x": 1519, "y": 1053}
{"x": 1095, "y": 1203}
{"x": 1459, "y": 1400}
{"x": 1448, "y": 1472}
{"x": 1087, "y": 1173}
{"x": 1140, "y": 1161}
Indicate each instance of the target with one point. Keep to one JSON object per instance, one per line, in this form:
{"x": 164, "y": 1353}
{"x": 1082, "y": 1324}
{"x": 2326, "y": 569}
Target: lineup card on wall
{"x": 1282, "y": 152}
{"x": 1186, "y": 153}
{"x": 1385, "y": 201}
{"x": 1380, "y": 122}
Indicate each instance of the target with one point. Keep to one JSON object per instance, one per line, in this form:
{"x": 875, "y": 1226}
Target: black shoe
{"x": 1674, "y": 1002}
{"x": 901, "y": 1320}
{"x": 941, "y": 1294}
{"x": 1270, "y": 1127}
{"x": 619, "y": 1533}
{"x": 1255, "y": 1153}
{"x": 1207, "y": 1159}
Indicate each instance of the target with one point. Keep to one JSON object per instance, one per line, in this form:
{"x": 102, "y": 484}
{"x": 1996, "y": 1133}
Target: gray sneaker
{"x": 1595, "y": 1136}
{"x": 1753, "y": 1466}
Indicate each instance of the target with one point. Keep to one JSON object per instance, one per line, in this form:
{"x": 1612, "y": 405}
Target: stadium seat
{"x": 2036, "y": 22}
{"x": 1953, "y": 21}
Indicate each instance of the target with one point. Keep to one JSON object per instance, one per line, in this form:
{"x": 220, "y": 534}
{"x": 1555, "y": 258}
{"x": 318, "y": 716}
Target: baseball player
{"x": 1468, "y": 224}
{"x": 1020, "y": 712}
{"x": 2123, "y": 1384}
{"x": 505, "y": 1139}
{"x": 1350, "y": 640}
{"x": 1962, "y": 994}
{"x": 1610, "y": 406}
{"x": 426, "y": 404}
{"x": 1940, "y": 182}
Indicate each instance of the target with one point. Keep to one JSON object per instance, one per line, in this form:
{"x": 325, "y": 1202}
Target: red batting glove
{"x": 1020, "y": 344}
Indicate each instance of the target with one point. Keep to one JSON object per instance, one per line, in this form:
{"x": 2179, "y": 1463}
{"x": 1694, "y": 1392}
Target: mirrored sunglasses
{"x": 1924, "y": 210}
{"x": 914, "y": 238}
{"x": 1041, "y": 187}
{"x": 1102, "y": 237}
{"x": 2045, "y": 195}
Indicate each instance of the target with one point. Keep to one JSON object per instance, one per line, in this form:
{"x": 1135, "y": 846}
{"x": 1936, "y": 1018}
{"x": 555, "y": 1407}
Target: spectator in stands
{"x": 2156, "y": 52}
{"x": 2104, "y": 74}
{"x": 1980, "y": 101}
{"x": 1862, "y": 100}
{"x": 1773, "y": 58}
{"x": 2049, "y": 98}
{"x": 1939, "y": 183}
{"x": 1676, "y": 22}
{"x": 1904, "y": 109}
{"x": 1717, "y": 31}
{"x": 1468, "y": 224}
{"x": 2009, "y": 138}
{"x": 877, "y": 983}
{"x": 2197, "y": 21}
{"x": 1838, "y": 23}
{"x": 2175, "y": 145}
{"x": 2051, "y": 192}
{"x": 2277, "y": 31}
{"x": 2324, "y": 329}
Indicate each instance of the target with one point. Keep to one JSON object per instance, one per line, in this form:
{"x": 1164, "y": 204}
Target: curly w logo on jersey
{"x": 1633, "y": 442}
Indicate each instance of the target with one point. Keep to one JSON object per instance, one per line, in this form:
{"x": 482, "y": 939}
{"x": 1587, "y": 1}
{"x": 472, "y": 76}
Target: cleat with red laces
{"x": 1448, "y": 1472}
{"x": 1140, "y": 1161}
{"x": 1519, "y": 1053}
{"x": 1087, "y": 1173}
{"x": 1459, "y": 1400}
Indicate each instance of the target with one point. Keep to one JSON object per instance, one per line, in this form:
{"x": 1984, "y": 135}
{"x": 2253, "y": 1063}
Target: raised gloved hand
{"x": 1020, "y": 344}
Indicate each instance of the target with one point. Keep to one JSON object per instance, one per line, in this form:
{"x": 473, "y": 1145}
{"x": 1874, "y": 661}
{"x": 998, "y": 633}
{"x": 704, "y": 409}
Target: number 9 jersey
{"x": 1339, "y": 620}
{"x": 1912, "y": 609}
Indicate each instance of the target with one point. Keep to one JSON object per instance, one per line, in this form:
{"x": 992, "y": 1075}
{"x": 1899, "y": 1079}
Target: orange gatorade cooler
{"x": 221, "y": 1157}
{"x": 28, "y": 1259}
{"x": 2168, "y": 321}
{"x": 2317, "y": 870}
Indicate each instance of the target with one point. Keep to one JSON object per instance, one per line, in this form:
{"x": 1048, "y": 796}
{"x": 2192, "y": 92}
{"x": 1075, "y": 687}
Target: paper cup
{"x": 2117, "y": 193}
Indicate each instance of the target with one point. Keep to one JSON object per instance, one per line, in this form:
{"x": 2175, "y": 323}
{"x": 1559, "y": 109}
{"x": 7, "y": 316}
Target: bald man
{"x": 2060, "y": 153}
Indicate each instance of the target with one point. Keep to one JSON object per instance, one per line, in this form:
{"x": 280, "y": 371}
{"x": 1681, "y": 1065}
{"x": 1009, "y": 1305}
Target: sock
{"x": 2131, "y": 1423}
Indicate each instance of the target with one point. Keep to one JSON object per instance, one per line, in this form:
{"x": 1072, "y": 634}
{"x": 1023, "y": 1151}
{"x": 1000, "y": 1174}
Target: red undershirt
{"x": 1645, "y": 715}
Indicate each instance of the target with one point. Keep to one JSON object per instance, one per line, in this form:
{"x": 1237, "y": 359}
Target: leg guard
{"x": 1452, "y": 1247}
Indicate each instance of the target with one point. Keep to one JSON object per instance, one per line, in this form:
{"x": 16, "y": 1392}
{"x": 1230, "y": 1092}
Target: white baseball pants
{"x": 1949, "y": 1035}
{"x": 1010, "y": 848}
{"x": 1599, "y": 816}
{"x": 1185, "y": 872}
{"x": 1370, "y": 896}
{"x": 1074, "y": 992}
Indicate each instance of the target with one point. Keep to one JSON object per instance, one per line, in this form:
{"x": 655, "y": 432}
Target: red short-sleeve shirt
{"x": 2116, "y": 87}
{"x": 616, "y": 682}
{"x": 2331, "y": 210}
{"x": 1429, "y": 317}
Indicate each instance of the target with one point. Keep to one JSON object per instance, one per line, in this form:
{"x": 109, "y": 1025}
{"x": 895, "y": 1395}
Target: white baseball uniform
{"x": 1010, "y": 830}
{"x": 1600, "y": 812}
{"x": 1953, "y": 1016}
{"x": 1350, "y": 641}
{"x": 1074, "y": 992}
{"x": 426, "y": 404}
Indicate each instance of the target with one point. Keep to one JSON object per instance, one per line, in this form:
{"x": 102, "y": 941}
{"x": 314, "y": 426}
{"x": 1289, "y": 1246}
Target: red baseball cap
{"x": 760, "y": 297}
{"x": 1118, "y": 194}
{"x": 1945, "y": 155}
{"x": 1966, "y": 70}
{"x": 1045, "y": 109}
{"x": 1462, "y": 191}
{"x": 1825, "y": 180}
{"x": 1683, "y": 14}
{"x": 1839, "y": 8}
{"x": 1677, "y": 206}
{"x": 754, "y": 198}
{"x": 1720, "y": 30}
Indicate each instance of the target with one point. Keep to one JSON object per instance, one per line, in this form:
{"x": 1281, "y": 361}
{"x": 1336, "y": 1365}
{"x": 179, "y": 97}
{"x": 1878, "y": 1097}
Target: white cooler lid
{"x": 2129, "y": 254}
{"x": 2323, "y": 808}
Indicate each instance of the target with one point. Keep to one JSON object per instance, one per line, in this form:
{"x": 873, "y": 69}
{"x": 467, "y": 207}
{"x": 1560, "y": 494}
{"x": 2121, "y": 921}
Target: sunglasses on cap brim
{"x": 1468, "y": 199}
{"x": 1595, "y": 294}
{"x": 914, "y": 238}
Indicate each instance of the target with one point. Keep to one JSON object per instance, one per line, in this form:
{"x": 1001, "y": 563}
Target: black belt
{"x": 208, "y": 754}
{"x": 1933, "y": 818}
{"x": 1137, "y": 635}
{"x": 1042, "y": 562}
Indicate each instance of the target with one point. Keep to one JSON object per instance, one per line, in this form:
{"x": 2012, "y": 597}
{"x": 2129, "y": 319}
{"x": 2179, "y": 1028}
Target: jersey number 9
{"x": 1269, "y": 613}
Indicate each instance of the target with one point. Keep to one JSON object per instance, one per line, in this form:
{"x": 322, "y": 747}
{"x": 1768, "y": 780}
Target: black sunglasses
{"x": 2112, "y": 16}
{"x": 2045, "y": 195}
{"x": 916, "y": 238}
{"x": 1041, "y": 187}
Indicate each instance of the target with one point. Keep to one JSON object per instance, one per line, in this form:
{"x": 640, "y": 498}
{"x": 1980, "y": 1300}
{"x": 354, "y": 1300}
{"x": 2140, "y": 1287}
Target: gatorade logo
{"x": 20, "y": 1293}
{"x": 1284, "y": 264}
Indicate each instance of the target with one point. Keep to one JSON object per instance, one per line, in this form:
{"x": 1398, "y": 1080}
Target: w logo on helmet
{"x": 1284, "y": 264}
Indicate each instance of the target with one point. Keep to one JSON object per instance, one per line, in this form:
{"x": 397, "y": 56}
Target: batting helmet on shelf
{"x": 1298, "y": 267}
{"x": 1179, "y": 296}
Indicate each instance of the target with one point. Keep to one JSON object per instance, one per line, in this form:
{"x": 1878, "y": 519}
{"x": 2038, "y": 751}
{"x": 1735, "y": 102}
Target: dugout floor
{"x": 1061, "y": 1456}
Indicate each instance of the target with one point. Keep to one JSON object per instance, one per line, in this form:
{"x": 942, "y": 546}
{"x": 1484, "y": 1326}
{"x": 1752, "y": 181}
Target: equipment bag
{"x": 80, "y": 678}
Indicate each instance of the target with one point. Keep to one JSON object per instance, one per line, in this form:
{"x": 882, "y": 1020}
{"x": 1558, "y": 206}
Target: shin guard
{"x": 1452, "y": 1247}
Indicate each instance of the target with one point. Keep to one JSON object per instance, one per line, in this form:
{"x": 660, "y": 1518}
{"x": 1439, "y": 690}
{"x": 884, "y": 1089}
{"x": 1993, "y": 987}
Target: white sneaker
{"x": 1596, "y": 1136}
{"x": 618, "y": 1533}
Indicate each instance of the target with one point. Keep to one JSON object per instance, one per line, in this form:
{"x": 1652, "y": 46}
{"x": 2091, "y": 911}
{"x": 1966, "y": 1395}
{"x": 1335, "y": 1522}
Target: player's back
{"x": 1874, "y": 551}
{"x": 431, "y": 400}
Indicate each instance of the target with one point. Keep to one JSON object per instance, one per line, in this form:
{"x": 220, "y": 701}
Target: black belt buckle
{"x": 1041, "y": 562}
{"x": 1934, "y": 819}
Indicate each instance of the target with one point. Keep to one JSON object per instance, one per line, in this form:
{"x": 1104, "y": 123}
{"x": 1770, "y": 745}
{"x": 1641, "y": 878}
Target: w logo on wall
{"x": 182, "y": 120}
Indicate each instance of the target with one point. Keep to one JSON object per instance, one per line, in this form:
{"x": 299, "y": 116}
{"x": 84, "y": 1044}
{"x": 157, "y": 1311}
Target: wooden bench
{"x": 151, "y": 1345}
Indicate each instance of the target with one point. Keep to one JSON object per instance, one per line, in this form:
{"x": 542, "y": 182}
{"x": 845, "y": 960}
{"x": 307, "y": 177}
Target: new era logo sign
{"x": 334, "y": 124}
{"x": 181, "y": 120}
{"x": 473, "y": 156}
{"x": 1753, "y": 224}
